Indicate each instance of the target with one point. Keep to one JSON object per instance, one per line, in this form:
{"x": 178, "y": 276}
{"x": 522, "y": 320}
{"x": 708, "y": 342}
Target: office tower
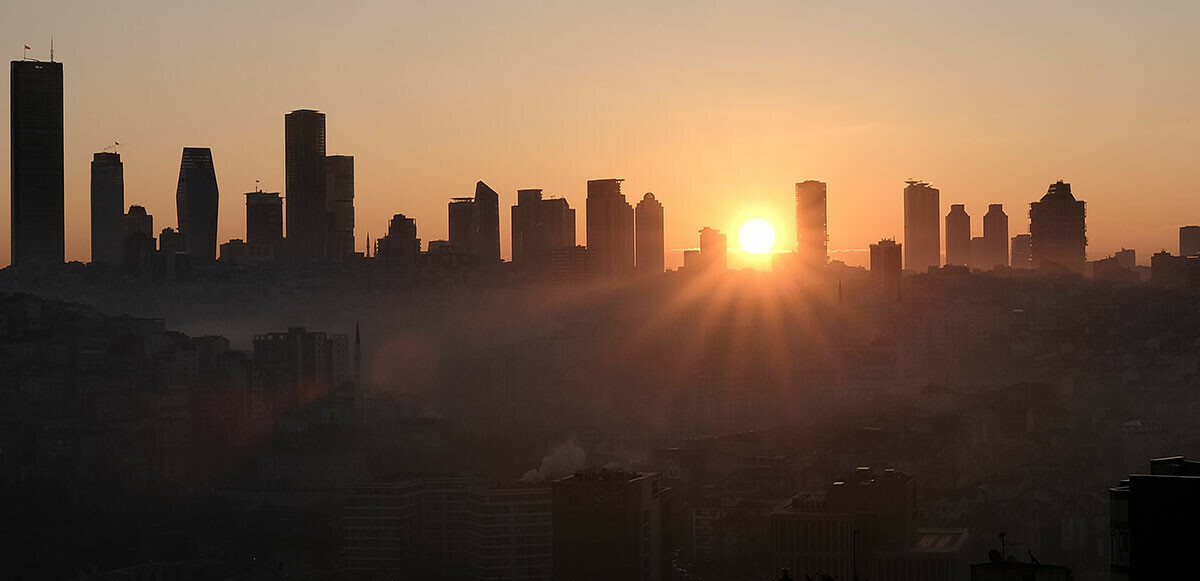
{"x": 1189, "y": 240}
{"x": 339, "y": 203}
{"x": 995, "y": 237}
{"x": 1126, "y": 258}
{"x": 1152, "y": 520}
{"x": 958, "y": 236}
{"x": 862, "y": 526}
{"x": 538, "y": 227}
{"x": 297, "y": 367}
{"x": 1168, "y": 270}
{"x": 108, "y": 207}
{"x": 170, "y": 240}
{"x": 714, "y": 249}
{"x": 264, "y": 220}
{"x": 573, "y": 266}
{"x": 610, "y": 233}
{"x": 137, "y": 221}
{"x": 304, "y": 183}
{"x": 487, "y": 224}
{"x": 611, "y": 524}
{"x": 137, "y": 239}
{"x": 812, "y": 233}
{"x": 462, "y": 228}
{"x": 648, "y": 219}
{"x": 1057, "y": 229}
{"x": 1022, "y": 254}
{"x": 922, "y": 232}
{"x": 36, "y": 126}
{"x": 400, "y": 244}
{"x": 886, "y": 270}
{"x": 196, "y": 203}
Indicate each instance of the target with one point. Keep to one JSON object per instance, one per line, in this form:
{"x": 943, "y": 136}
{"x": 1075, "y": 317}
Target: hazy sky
{"x": 716, "y": 107}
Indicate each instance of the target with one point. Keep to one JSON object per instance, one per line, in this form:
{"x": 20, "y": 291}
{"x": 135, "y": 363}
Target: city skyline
{"x": 740, "y": 164}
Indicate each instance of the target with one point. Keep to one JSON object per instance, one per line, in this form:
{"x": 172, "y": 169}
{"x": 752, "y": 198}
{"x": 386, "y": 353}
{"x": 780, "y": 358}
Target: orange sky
{"x": 718, "y": 108}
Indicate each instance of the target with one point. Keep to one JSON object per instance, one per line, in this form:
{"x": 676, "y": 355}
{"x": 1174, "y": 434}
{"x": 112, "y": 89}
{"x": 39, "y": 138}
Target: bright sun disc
{"x": 757, "y": 236}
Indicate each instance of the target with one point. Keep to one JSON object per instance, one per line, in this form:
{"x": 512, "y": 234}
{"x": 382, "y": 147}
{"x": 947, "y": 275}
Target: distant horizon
{"x": 720, "y": 130}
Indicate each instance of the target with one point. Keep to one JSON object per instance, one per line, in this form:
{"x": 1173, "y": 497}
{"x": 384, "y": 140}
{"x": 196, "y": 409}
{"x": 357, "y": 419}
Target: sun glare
{"x": 757, "y": 236}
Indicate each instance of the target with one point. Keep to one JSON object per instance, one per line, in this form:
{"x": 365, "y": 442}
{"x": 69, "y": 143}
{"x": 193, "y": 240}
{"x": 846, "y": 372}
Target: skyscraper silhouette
{"x": 1021, "y": 253}
{"x": 304, "y": 183}
{"x": 886, "y": 270}
{"x": 610, "y": 228}
{"x": 461, "y": 213}
{"x": 196, "y": 201}
{"x": 648, "y": 219}
{"x": 264, "y": 220}
{"x": 958, "y": 236}
{"x": 487, "y": 229}
{"x": 539, "y": 226}
{"x": 812, "y": 233}
{"x": 339, "y": 203}
{"x": 108, "y": 208}
{"x": 36, "y": 126}
{"x": 922, "y": 228}
{"x": 1189, "y": 240}
{"x": 1057, "y": 229}
{"x": 714, "y": 249}
{"x": 995, "y": 237}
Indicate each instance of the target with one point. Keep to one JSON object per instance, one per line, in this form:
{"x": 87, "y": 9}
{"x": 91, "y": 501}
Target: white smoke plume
{"x": 563, "y": 459}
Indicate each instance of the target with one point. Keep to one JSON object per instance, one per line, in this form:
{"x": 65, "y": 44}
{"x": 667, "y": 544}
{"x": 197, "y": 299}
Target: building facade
{"x": 812, "y": 230}
{"x": 1058, "y": 230}
{"x": 108, "y": 208}
{"x": 1022, "y": 252}
{"x": 339, "y": 203}
{"x": 1189, "y": 240}
{"x": 304, "y": 183}
{"x": 648, "y": 217}
{"x": 37, "y": 211}
{"x": 264, "y": 220}
{"x": 196, "y": 203}
{"x": 922, "y": 228}
{"x": 995, "y": 238}
{"x": 611, "y": 524}
{"x": 610, "y": 228}
{"x": 886, "y": 270}
{"x": 538, "y": 227}
{"x": 958, "y": 236}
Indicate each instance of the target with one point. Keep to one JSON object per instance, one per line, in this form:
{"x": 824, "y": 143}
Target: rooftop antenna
{"x": 51, "y": 48}
{"x": 25, "y": 53}
{"x": 256, "y": 188}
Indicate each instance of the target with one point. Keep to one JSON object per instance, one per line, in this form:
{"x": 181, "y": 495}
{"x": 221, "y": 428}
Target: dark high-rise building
{"x": 958, "y": 236}
{"x": 304, "y": 183}
{"x": 922, "y": 228}
{"x": 462, "y": 226}
{"x": 572, "y": 266}
{"x": 1189, "y": 240}
{"x": 886, "y": 270}
{"x": 648, "y": 219}
{"x": 995, "y": 238}
{"x": 1168, "y": 270}
{"x": 1152, "y": 521}
{"x": 714, "y": 249}
{"x": 487, "y": 224}
{"x": 294, "y": 368}
{"x": 36, "y": 126}
{"x": 339, "y": 203}
{"x": 137, "y": 239}
{"x": 1057, "y": 229}
{"x": 137, "y": 221}
{"x": 538, "y": 227}
{"x": 196, "y": 203}
{"x": 400, "y": 245}
{"x": 610, "y": 228}
{"x": 108, "y": 207}
{"x": 611, "y": 524}
{"x": 264, "y": 220}
{"x": 812, "y": 232}
{"x": 1022, "y": 256}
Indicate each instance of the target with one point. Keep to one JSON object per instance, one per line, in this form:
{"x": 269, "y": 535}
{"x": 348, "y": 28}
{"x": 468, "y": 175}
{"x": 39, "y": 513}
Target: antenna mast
{"x": 51, "y": 48}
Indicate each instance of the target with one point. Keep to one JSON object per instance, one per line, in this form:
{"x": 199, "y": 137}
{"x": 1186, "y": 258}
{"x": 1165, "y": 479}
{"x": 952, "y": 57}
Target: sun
{"x": 757, "y": 236}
